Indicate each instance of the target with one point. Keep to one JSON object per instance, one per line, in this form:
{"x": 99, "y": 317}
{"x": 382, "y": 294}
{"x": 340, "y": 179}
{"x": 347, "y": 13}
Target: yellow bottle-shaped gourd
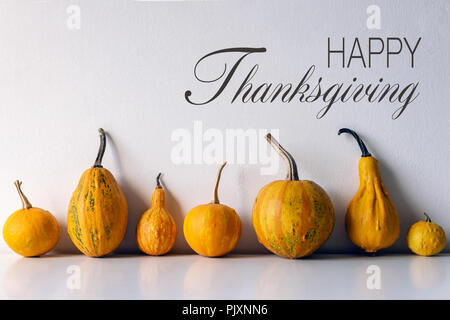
{"x": 372, "y": 223}
{"x": 156, "y": 230}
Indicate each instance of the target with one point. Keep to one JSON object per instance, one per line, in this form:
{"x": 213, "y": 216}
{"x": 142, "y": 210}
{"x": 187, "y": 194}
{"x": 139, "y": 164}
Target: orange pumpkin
{"x": 212, "y": 229}
{"x": 30, "y": 231}
{"x": 292, "y": 218}
{"x": 156, "y": 231}
{"x": 98, "y": 211}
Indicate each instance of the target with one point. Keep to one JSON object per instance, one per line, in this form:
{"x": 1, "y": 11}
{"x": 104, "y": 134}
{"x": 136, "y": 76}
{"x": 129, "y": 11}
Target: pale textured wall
{"x": 127, "y": 69}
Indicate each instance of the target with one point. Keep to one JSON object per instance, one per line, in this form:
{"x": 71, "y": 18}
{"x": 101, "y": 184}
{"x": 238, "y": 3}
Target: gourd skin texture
{"x": 212, "y": 230}
{"x": 98, "y": 213}
{"x": 426, "y": 238}
{"x": 293, "y": 218}
{"x": 31, "y": 232}
{"x": 156, "y": 230}
{"x": 372, "y": 223}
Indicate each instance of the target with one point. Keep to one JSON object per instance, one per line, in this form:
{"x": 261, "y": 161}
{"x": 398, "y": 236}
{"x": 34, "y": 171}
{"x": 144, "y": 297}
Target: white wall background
{"x": 127, "y": 69}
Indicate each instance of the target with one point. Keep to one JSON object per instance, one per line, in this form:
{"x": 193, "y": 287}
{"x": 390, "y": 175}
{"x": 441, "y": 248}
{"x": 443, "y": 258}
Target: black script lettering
{"x": 330, "y": 101}
{"x": 303, "y": 84}
{"x": 228, "y": 76}
{"x": 311, "y": 89}
{"x": 279, "y": 88}
{"x": 408, "y": 99}
{"x": 343, "y": 99}
{"x": 246, "y": 84}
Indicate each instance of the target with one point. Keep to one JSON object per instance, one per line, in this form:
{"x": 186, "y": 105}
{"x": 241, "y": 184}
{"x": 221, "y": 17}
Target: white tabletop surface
{"x": 321, "y": 276}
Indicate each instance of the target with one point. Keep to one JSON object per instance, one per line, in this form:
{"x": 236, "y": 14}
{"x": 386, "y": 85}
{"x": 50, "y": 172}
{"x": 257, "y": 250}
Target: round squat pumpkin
{"x": 30, "y": 231}
{"x": 212, "y": 229}
{"x": 426, "y": 238}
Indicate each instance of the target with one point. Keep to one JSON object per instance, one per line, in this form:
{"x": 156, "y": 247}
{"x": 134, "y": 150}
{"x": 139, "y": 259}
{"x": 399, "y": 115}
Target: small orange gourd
{"x": 156, "y": 231}
{"x": 212, "y": 229}
{"x": 30, "y": 231}
{"x": 372, "y": 223}
{"x": 292, "y": 218}
{"x": 98, "y": 211}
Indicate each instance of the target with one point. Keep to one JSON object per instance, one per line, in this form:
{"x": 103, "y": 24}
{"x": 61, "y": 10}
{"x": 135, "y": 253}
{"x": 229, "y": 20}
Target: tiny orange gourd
{"x": 371, "y": 222}
{"x": 212, "y": 229}
{"x": 292, "y": 218}
{"x": 98, "y": 212}
{"x": 30, "y": 231}
{"x": 156, "y": 231}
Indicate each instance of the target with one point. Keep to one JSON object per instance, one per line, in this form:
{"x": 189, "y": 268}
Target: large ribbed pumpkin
{"x": 292, "y": 217}
{"x": 98, "y": 211}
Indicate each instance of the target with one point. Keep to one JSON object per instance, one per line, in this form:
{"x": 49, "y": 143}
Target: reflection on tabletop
{"x": 321, "y": 276}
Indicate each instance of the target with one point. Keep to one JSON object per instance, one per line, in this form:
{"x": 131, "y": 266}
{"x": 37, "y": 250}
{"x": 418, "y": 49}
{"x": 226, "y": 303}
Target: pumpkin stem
{"x": 101, "y": 149}
{"x": 428, "y": 217}
{"x": 361, "y": 144}
{"x": 216, "y": 187}
{"x": 25, "y": 203}
{"x": 158, "y": 183}
{"x": 290, "y": 162}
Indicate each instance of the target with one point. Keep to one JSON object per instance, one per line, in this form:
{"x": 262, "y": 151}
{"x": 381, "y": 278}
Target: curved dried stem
{"x": 290, "y": 162}
{"x": 158, "y": 182}
{"x": 216, "y": 187}
{"x": 101, "y": 149}
{"x": 25, "y": 203}
{"x": 362, "y": 146}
